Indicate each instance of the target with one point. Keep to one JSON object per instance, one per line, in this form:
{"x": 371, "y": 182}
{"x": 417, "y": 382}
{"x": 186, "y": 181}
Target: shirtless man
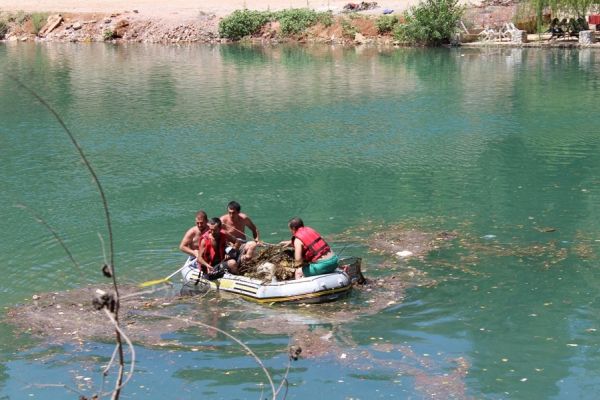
{"x": 189, "y": 243}
{"x": 211, "y": 255}
{"x": 235, "y": 223}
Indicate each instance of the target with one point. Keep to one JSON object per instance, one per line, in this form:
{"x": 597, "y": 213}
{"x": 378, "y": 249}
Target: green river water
{"x": 500, "y": 146}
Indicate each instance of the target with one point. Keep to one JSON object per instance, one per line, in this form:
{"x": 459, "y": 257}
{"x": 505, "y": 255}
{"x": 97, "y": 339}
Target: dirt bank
{"x": 182, "y": 21}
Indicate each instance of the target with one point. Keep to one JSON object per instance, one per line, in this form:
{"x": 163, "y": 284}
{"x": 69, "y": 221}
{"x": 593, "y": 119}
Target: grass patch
{"x": 38, "y": 20}
{"x": 3, "y": 28}
{"x": 386, "y": 23}
{"x": 348, "y": 30}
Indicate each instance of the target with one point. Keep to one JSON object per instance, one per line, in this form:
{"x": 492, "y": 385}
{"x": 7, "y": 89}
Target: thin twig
{"x": 107, "y": 217}
{"x": 62, "y": 244}
{"x": 103, "y": 249}
{"x": 131, "y": 349}
{"x": 112, "y": 359}
{"x": 81, "y": 154}
{"x": 61, "y": 385}
{"x": 244, "y": 346}
{"x": 287, "y": 371}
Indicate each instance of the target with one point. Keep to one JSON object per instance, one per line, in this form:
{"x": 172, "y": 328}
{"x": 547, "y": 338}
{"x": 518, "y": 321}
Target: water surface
{"x": 500, "y": 145}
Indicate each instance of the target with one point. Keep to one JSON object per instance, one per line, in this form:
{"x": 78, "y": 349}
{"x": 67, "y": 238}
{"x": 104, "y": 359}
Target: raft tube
{"x": 313, "y": 289}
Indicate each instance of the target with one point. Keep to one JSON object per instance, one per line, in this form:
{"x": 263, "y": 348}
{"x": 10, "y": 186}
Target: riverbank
{"x": 182, "y": 21}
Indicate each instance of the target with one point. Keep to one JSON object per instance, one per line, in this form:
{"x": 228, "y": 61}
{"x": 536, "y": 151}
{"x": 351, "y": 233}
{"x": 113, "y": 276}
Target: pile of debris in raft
{"x": 270, "y": 261}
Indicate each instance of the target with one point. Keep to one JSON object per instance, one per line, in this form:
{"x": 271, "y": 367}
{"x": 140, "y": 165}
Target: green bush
{"x": 386, "y": 23}
{"x": 3, "y": 28}
{"x": 38, "y": 20}
{"x": 326, "y": 18}
{"x": 109, "y": 34}
{"x": 295, "y": 20}
{"x": 431, "y": 22}
{"x": 348, "y": 30}
{"x": 242, "y": 23}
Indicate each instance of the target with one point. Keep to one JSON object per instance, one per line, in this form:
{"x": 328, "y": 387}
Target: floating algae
{"x": 316, "y": 331}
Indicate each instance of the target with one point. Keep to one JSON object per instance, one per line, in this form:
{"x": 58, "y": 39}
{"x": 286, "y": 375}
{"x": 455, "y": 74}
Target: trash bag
{"x": 217, "y": 272}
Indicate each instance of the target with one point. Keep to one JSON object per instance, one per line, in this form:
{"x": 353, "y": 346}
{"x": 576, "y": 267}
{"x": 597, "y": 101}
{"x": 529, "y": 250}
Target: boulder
{"x": 121, "y": 28}
{"x": 586, "y": 38}
{"x": 51, "y": 24}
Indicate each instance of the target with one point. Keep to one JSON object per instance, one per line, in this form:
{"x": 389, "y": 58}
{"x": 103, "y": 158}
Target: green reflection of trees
{"x": 243, "y": 55}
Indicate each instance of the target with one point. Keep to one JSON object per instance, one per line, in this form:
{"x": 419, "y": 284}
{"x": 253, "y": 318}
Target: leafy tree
{"x": 577, "y": 8}
{"x": 430, "y": 23}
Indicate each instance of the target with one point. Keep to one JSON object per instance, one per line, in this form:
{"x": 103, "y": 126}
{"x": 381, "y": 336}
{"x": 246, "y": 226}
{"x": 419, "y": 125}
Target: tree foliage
{"x": 295, "y": 20}
{"x": 242, "y": 23}
{"x": 574, "y": 8}
{"x": 430, "y": 23}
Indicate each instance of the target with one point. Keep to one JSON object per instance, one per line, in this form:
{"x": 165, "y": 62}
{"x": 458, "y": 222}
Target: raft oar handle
{"x": 157, "y": 281}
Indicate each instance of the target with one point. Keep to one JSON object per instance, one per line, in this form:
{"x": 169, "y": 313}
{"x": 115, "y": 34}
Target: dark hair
{"x": 214, "y": 221}
{"x": 202, "y": 213}
{"x": 234, "y": 205}
{"x": 295, "y": 223}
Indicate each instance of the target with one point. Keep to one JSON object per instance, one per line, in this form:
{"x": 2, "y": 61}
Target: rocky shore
{"x": 203, "y": 27}
{"x": 113, "y": 27}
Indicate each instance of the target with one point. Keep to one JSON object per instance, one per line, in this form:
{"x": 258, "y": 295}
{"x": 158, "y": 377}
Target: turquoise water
{"x": 499, "y": 145}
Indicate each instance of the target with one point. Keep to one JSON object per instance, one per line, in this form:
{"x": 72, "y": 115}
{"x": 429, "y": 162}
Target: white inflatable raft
{"x": 314, "y": 289}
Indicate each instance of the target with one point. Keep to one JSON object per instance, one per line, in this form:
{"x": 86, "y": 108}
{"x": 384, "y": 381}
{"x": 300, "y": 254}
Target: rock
{"x": 586, "y": 38}
{"x": 107, "y": 20}
{"x": 76, "y": 26}
{"x": 121, "y": 28}
{"x": 359, "y": 38}
{"x": 51, "y": 24}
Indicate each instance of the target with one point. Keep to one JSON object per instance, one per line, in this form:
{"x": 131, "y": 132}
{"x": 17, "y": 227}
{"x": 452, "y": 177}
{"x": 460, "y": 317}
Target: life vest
{"x": 314, "y": 245}
{"x": 209, "y": 251}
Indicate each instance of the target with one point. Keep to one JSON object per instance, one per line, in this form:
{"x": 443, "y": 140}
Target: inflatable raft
{"x": 314, "y": 289}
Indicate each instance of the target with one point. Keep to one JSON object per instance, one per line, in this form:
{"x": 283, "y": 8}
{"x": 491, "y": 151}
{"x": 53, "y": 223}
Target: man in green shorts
{"x": 312, "y": 254}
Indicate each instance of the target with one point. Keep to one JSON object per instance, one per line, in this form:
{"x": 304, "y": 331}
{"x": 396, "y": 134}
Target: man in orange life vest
{"x": 312, "y": 254}
{"x": 211, "y": 249}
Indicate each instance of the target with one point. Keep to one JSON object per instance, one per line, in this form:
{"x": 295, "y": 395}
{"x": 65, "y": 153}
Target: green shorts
{"x": 321, "y": 267}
